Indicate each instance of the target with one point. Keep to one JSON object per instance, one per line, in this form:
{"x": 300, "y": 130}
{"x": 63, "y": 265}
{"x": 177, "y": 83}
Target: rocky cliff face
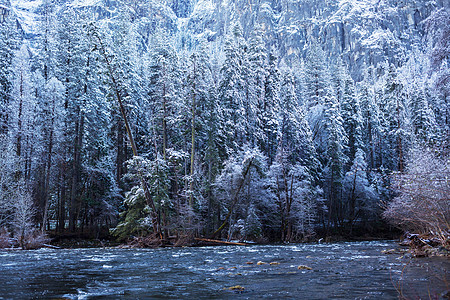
{"x": 360, "y": 31}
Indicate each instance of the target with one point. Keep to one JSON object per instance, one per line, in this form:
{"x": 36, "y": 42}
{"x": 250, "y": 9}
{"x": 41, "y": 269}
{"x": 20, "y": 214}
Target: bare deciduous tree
{"x": 24, "y": 212}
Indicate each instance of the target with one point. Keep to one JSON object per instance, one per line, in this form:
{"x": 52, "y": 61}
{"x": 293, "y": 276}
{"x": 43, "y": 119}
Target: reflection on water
{"x": 340, "y": 271}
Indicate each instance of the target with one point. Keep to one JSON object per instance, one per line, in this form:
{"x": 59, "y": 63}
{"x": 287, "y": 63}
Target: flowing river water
{"x": 348, "y": 270}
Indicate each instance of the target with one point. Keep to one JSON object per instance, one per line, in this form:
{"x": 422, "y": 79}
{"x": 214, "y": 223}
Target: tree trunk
{"x": 76, "y": 173}
{"x": 399, "y": 140}
{"x": 62, "y": 203}
{"x": 19, "y": 119}
{"x": 121, "y": 151}
{"x": 191, "y": 183}
{"x": 235, "y": 199}
{"x": 48, "y": 166}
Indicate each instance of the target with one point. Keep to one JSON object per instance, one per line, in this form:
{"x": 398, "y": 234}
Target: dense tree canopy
{"x": 235, "y": 136}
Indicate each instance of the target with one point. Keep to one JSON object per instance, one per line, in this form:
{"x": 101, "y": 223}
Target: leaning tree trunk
{"x": 156, "y": 223}
{"x": 235, "y": 200}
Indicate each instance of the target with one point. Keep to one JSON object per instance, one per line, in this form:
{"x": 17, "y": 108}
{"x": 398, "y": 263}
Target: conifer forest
{"x": 265, "y": 121}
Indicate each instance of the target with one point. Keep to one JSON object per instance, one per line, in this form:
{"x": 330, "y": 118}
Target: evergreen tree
{"x": 270, "y": 108}
{"x": 422, "y": 116}
{"x": 231, "y": 91}
{"x": 351, "y": 115}
{"x": 318, "y": 90}
{"x": 164, "y": 98}
{"x": 51, "y": 116}
{"x": 339, "y": 78}
{"x": 9, "y": 43}
{"x": 371, "y": 126}
{"x": 334, "y": 162}
{"x": 395, "y": 121}
{"x": 198, "y": 82}
{"x": 359, "y": 194}
{"x": 22, "y": 110}
{"x": 317, "y": 79}
{"x": 294, "y": 133}
{"x": 255, "y": 75}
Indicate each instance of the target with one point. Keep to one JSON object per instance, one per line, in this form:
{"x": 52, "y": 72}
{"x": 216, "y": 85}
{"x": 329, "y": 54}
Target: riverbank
{"x": 413, "y": 245}
{"x": 152, "y": 242}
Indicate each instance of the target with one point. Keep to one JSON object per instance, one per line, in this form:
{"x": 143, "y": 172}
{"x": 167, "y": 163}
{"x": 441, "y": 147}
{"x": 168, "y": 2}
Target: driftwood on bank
{"x": 50, "y": 246}
{"x": 220, "y": 242}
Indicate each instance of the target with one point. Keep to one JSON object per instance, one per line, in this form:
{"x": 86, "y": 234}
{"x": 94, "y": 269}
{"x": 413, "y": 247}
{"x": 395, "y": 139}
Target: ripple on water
{"x": 347, "y": 270}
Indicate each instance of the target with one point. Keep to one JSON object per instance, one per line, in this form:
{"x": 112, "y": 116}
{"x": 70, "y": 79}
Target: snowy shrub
{"x": 423, "y": 202}
{"x": 5, "y": 239}
{"x": 24, "y": 212}
{"x": 361, "y": 199}
{"x": 135, "y": 220}
{"x": 252, "y": 225}
{"x": 34, "y": 240}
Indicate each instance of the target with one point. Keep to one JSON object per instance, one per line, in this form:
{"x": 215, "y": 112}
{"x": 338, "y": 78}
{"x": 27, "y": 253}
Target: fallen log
{"x": 50, "y": 246}
{"x": 220, "y": 242}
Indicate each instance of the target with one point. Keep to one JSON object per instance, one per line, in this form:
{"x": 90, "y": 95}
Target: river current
{"x": 350, "y": 270}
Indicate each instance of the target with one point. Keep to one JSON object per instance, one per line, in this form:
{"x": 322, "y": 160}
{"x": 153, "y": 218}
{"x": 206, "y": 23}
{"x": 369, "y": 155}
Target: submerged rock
{"x": 391, "y": 251}
{"x": 260, "y": 263}
{"x": 236, "y": 288}
{"x": 303, "y": 267}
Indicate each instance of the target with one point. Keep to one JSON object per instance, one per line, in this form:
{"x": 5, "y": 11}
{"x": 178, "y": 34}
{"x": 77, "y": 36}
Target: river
{"x": 348, "y": 270}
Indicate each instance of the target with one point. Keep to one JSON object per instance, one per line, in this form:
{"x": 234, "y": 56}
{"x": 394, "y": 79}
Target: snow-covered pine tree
{"x": 318, "y": 89}
{"x": 339, "y": 74}
{"x": 351, "y": 115}
{"x": 215, "y": 140}
{"x": 437, "y": 27}
{"x": 9, "y": 43}
{"x": 422, "y": 116}
{"x": 359, "y": 195}
{"x": 232, "y": 92}
{"x": 317, "y": 78}
{"x": 270, "y": 108}
{"x": 165, "y": 102}
{"x": 22, "y": 111}
{"x": 395, "y": 121}
{"x": 255, "y": 77}
{"x": 51, "y": 116}
{"x": 334, "y": 161}
{"x": 293, "y": 173}
{"x": 370, "y": 113}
